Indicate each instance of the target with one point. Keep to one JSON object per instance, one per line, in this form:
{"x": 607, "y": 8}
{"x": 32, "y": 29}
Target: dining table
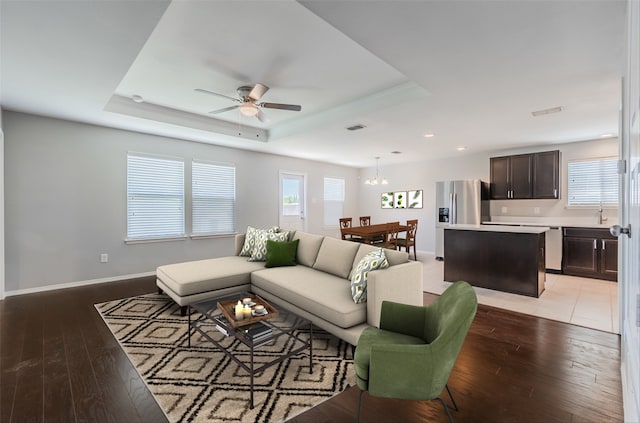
{"x": 370, "y": 232}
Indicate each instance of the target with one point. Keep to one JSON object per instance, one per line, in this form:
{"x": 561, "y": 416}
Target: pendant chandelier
{"x": 376, "y": 179}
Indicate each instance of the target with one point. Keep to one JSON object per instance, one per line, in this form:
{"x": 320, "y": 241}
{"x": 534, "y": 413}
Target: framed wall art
{"x": 401, "y": 200}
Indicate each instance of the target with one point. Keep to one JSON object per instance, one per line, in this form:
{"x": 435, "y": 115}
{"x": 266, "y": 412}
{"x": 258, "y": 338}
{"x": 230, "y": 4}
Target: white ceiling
{"x": 471, "y": 72}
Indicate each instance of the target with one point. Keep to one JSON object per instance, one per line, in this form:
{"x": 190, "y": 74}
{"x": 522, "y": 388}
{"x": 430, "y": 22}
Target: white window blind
{"x": 213, "y": 198}
{"x": 593, "y": 182}
{"x": 333, "y": 201}
{"x": 155, "y": 197}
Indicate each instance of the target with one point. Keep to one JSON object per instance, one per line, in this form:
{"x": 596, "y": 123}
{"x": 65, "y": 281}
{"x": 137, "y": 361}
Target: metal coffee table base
{"x": 194, "y": 325}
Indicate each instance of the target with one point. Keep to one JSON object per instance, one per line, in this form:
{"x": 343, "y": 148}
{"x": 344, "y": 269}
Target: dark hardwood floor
{"x": 60, "y": 363}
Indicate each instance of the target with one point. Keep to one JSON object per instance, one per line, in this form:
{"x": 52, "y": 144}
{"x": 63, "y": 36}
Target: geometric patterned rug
{"x": 200, "y": 384}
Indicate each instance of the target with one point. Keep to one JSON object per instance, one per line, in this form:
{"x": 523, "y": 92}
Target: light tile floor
{"x": 585, "y": 302}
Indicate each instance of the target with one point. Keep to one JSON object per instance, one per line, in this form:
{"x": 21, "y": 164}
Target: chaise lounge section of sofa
{"x": 317, "y": 288}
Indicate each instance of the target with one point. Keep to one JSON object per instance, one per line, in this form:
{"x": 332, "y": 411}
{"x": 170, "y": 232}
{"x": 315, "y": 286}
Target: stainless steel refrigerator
{"x": 459, "y": 202}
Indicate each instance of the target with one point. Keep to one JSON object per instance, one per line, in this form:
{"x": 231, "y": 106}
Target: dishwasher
{"x": 553, "y": 249}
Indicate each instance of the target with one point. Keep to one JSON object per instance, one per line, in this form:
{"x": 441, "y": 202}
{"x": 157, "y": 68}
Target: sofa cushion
{"x": 193, "y": 277}
{"x": 393, "y": 257}
{"x": 319, "y": 293}
{"x": 259, "y": 252}
{"x": 307, "y": 248}
{"x": 373, "y": 261}
{"x": 250, "y": 239}
{"x": 281, "y": 253}
{"x": 336, "y": 256}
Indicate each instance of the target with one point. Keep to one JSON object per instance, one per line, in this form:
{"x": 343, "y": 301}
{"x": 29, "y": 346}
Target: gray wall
{"x": 65, "y": 201}
{"x": 65, "y": 190}
{"x": 424, "y": 175}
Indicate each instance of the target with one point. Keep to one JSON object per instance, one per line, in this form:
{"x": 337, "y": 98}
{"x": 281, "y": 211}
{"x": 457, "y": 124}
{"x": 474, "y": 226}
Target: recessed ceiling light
{"x": 429, "y": 135}
{"x": 461, "y": 148}
{"x": 607, "y": 135}
{"x": 137, "y": 98}
{"x": 396, "y": 152}
{"x": 548, "y": 111}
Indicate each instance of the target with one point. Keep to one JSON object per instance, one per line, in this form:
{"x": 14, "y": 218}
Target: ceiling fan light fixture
{"x": 248, "y": 109}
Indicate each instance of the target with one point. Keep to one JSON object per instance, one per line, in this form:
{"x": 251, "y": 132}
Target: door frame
{"x": 281, "y": 175}
{"x": 2, "y": 263}
{"x": 628, "y": 283}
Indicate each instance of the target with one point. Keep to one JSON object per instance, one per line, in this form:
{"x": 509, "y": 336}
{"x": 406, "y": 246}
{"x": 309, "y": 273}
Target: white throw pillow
{"x": 373, "y": 261}
{"x": 259, "y": 252}
{"x": 250, "y": 239}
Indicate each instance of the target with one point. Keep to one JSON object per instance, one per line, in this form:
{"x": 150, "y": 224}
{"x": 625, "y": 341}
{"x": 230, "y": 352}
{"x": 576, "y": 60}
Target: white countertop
{"x": 501, "y": 228}
{"x": 552, "y": 224}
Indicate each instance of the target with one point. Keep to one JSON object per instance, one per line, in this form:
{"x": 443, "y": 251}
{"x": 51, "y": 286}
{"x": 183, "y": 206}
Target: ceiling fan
{"x": 248, "y": 99}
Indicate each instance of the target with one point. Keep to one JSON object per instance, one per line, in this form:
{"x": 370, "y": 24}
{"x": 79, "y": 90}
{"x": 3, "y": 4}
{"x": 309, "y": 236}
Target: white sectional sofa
{"x": 317, "y": 288}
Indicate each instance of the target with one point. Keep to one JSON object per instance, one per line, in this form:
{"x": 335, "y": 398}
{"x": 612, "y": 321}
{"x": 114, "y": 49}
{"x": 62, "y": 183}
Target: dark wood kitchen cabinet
{"x": 505, "y": 261}
{"x": 546, "y": 175}
{"x": 525, "y": 176}
{"x": 500, "y": 188}
{"x": 590, "y": 252}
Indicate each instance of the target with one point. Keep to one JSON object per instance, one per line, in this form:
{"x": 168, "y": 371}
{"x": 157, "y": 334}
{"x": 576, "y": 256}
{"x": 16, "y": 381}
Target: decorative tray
{"x": 228, "y": 310}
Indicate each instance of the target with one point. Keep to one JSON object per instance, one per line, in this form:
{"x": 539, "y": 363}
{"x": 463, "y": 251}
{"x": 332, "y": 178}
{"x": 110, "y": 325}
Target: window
{"x": 155, "y": 197}
{"x": 333, "y": 201}
{"x": 593, "y": 182}
{"x": 213, "y": 198}
{"x": 290, "y": 196}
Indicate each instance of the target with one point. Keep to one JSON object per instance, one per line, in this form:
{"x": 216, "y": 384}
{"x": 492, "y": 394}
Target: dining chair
{"x": 410, "y": 240}
{"x": 365, "y": 220}
{"x": 345, "y": 222}
{"x": 391, "y": 236}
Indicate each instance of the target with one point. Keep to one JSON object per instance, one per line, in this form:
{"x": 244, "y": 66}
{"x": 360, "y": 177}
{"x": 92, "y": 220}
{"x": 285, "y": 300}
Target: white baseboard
{"x": 76, "y": 284}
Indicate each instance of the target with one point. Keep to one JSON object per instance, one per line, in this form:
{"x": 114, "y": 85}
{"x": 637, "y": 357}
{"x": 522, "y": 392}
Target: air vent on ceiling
{"x": 355, "y": 127}
{"x": 548, "y": 111}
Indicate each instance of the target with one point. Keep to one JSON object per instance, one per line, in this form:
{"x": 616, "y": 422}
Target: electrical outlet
{"x": 536, "y": 210}
{"x": 504, "y": 210}
{"x": 104, "y": 258}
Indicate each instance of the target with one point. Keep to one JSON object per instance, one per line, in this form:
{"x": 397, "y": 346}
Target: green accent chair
{"x": 413, "y": 352}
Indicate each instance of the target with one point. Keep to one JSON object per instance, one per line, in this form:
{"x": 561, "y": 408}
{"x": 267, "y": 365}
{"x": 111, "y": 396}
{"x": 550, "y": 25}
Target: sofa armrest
{"x": 239, "y": 238}
{"x": 401, "y": 283}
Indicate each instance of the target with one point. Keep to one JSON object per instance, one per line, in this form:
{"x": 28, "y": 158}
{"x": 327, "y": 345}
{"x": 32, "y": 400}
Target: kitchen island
{"x": 503, "y": 258}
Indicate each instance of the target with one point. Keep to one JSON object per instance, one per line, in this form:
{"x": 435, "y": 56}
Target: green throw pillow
{"x": 250, "y": 239}
{"x": 259, "y": 252}
{"x": 373, "y": 261}
{"x": 281, "y": 253}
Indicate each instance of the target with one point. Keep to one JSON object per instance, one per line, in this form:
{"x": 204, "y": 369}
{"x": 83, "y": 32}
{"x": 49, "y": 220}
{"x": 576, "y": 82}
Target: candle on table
{"x": 239, "y": 311}
{"x": 247, "y": 311}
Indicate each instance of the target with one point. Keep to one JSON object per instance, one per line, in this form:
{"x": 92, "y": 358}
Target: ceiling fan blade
{"x": 258, "y": 91}
{"x": 292, "y": 107}
{"x": 226, "y": 109}
{"x": 261, "y": 117}
{"x": 200, "y": 90}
